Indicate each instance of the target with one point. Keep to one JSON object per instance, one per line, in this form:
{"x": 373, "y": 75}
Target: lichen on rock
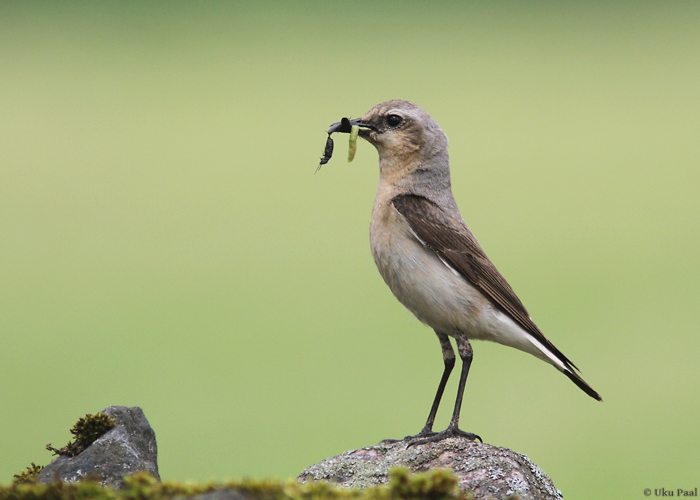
{"x": 486, "y": 471}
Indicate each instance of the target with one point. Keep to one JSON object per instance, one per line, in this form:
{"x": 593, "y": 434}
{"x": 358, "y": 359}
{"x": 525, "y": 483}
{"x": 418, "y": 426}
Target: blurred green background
{"x": 165, "y": 242}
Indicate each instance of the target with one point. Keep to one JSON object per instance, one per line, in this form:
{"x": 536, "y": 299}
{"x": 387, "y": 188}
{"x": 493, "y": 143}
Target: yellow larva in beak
{"x": 352, "y": 147}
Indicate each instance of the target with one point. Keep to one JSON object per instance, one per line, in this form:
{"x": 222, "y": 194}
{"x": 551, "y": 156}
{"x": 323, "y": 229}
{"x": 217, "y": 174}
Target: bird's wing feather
{"x": 457, "y": 246}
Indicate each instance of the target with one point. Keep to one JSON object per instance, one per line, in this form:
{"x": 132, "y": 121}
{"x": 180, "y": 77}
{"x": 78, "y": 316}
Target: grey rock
{"x": 223, "y": 495}
{"x": 487, "y": 471}
{"x": 127, "y": 448}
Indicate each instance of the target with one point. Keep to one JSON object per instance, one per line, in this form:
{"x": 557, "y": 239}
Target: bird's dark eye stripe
{"x": 394, "y": 120}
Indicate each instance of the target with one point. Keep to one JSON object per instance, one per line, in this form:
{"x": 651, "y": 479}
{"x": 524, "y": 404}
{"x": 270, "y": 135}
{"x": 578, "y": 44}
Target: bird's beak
{"x": 345, "y": 125}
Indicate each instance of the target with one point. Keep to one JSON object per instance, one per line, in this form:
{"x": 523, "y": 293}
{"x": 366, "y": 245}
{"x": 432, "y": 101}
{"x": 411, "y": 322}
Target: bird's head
{"x": 400, "y": 130}
{"x": 412, "y": 147}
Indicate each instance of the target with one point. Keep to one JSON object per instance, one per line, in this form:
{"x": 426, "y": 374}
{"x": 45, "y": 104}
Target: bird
{"x": 430, "y": 259}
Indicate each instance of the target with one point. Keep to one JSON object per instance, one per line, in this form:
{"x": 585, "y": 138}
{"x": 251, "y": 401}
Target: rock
{"x": 487, "y": 471}
{"x": 128, "y": 448}
{"x": 224, "y": 495}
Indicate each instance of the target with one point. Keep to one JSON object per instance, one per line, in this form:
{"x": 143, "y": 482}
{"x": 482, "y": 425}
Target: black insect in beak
{"x": 347, "y": 126}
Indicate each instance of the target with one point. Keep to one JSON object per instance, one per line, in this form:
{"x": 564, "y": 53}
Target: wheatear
{"x": 429, "y": 258}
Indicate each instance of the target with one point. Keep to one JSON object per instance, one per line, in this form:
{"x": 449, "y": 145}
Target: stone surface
{"x": 223, "y": 495}
{"x": 487, "y": 471}
{"x": 128, "y": 448}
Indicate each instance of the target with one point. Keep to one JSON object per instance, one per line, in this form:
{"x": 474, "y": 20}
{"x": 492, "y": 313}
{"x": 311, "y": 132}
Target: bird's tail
{"x": 576, "y": 379}
{"x": 564, "y": 365}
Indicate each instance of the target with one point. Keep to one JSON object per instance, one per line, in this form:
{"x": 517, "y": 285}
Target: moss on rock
{"x": 28, "y": 475}
{"x": 433, "y": 485}
{"x": 86, "y": 430}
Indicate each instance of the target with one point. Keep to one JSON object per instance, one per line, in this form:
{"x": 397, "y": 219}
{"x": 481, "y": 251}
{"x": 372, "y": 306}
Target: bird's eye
{"x": 393, "y": 120}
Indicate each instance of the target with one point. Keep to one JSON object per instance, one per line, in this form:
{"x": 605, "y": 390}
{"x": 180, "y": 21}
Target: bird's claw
{"x": 450, "y": 432}
{"x": 424, "y": 433}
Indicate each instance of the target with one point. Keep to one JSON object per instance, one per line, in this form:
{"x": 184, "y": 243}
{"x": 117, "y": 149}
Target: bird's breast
{"x": 433, "y": 292}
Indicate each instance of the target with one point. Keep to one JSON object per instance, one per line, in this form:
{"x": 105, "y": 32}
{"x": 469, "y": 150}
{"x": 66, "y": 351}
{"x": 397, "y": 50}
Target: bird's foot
{"x": 425, "y": 433}
{"x": 450, "y": 432}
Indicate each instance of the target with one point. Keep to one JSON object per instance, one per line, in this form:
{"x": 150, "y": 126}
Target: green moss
{"x": 28, "y": 475}
{"x": 438, "y": 484}
{"x": 433, "y": 485}
{"x": 86, "y": 431}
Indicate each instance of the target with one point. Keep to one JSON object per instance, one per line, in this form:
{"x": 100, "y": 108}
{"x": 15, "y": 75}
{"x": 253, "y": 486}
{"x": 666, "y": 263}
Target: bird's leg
{"x": 467, "y": 354}
{"x": 448, "y": 356}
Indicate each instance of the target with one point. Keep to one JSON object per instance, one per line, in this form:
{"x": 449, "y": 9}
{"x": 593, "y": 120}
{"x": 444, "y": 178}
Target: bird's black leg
{"x": 467, "y": 354}
{"x": 448, "y": 356}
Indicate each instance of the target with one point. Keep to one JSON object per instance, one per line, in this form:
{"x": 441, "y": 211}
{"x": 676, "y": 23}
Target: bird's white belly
{"x": 433, "y": 292}
{"x": 437, "y": 295}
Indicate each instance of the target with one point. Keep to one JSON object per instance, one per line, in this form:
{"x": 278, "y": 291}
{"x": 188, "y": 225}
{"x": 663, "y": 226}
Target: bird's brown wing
{"x": 457, "y": 247}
